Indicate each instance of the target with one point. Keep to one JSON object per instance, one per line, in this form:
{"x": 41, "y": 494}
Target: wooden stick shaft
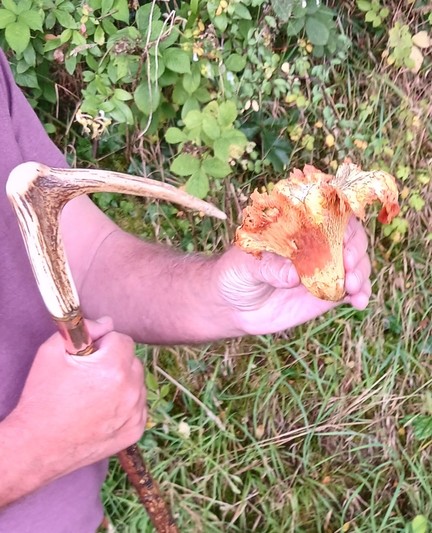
{"x": 78, "y": 342}
{"x": 147, "y": 489}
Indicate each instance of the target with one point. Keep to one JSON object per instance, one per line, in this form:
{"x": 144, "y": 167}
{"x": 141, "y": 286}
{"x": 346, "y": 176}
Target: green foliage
{"x": 215, "y": 144}
{"x": 375, "y": 13}
{"x": 316, "y": 22}
{"x": 419, "y": 524}
{"x": 143, "y": 70}
{"x": 400, "y": 44}
{"x": 149, "y": 75}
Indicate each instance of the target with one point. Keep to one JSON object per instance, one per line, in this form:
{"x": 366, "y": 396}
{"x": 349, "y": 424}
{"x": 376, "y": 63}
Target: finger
{"x": 361, "y": 299}
{"x": 356, "y": 233}
{"x": 100, "y": 327}
{"x": 354, "y": 280}
{"x": 355, "y": 249}
{"x": 276, "y": 271}
{"x": 351, "y": 229}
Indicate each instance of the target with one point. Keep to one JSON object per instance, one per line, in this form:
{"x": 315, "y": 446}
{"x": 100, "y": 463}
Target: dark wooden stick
{"x": 147, "y": 489}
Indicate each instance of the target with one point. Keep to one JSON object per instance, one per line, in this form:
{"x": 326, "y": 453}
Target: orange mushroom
{"x": 304, "y": 219}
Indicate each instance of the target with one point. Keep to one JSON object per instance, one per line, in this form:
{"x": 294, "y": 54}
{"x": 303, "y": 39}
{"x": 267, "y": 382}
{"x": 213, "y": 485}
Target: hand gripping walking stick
{"x": 38, "y": 194}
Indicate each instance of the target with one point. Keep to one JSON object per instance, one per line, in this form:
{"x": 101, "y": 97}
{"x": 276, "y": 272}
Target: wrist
{"x": 24, "y": 458}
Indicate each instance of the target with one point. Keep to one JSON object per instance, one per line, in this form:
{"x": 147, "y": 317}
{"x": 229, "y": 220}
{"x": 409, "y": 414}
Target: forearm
{"x": 26, "y": 463}
{"x": 155, "y": 294}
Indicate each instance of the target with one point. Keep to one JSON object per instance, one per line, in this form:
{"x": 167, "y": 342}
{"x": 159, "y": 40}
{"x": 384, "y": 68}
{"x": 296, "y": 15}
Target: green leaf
{"x": 295, "y": 26}
{"x": 370, "y": 16}
{"x": 221, "y": 22}
{"x": 198, "y": 184}
{"x": 192, "y": 81}
{"x": 99, "y": 35}
{"x": 79, "y": 40}
{"x": 121, "y": 112}
{"x": 29, "y": 55}
{"x": 210, "y": 126}
{"x": 235, "y": 62}
{"x": 10, "y": 5}
{"x": 146, "y": 98}
{"x": 51, "y": 45}
{"x": 22, "y": 66}
{"x": 241, "y": 11}
{"x": 185, "y": 165}
{"x": 227, "y": 113}
{"x": 193, "y": 119}
{"x": 422, "y": 427}
{"x": 316, "y": 31}
{"x": 364, "y": 5}
{"x": 175, "y": 136}
{"x": 191, "y": 104}
{"x": 151, "y": 381}
{"x": 419, "y": 524}
{"x": 50, "y": 128}
{"x": 65, "y": 36}
{"x": 106, "y": 6}
{"x": 120, "y": 10}
{"x": 156, "y": 68}
{"x": 202, "y": 95}
{"x": 179, "y": 95}
{"x": 50, "y": 20}
{"x": 17, "y": 36}
{"x": 216, "y": 168}
{"x": 27, "y": 79}
{"x": 177, "y": 60}
{"x": 230, "y": 146}
{"x": 282, "y": 9}
{"x": 23, "y": 5}
{"x": 121, "y": 94}
{"x": 169, "y": 79}
{"x": 170, "y": 39}
{"x": 33, "y": 19}
{"x": 143, "y": 16}
{"x": 277, "y": 149}
{"x": 65, "y": 19}
{"x": 109, "y": 27}
{"x": 6, "y": 18}
{"x": 71, "y": 63}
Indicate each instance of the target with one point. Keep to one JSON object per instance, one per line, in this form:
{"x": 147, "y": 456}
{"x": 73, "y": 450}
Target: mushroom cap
{"x": 305, "y": 216}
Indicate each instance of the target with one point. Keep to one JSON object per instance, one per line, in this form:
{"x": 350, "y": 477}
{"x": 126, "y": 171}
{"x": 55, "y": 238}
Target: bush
{"x": 234, "y": 88}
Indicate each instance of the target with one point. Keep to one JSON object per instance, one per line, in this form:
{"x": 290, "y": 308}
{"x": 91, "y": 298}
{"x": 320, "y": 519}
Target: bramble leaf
{"x": 185, "y": 165}
{"x": 17, "y": 36}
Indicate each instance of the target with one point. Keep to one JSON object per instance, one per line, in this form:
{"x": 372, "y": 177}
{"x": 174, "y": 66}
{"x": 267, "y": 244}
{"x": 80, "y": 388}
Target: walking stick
{"x": 38, "y": 194}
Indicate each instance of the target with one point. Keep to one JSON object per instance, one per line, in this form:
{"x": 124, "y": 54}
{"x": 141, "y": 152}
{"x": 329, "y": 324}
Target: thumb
{"x": 100, "y": 327}
{"x": 276, "y": 271}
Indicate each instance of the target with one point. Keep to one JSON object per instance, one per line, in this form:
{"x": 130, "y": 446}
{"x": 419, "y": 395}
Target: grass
{"x": 320, "y": 424}
{"x": 315, "y": 435}
{"x": 327, "y": 428}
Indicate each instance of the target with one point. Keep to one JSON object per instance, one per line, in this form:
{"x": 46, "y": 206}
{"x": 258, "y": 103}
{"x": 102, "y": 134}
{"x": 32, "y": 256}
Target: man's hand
{"x": 92, "y": 404}
{"x": 266, "y": 295}
{"x": 73, "y": 410}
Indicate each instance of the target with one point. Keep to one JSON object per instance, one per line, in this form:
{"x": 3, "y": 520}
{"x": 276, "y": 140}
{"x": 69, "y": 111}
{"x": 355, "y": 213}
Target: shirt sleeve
{"x": 30, "y": 135}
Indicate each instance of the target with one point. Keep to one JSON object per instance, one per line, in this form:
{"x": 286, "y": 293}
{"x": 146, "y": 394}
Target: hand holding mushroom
{"x": 307, "y": 250}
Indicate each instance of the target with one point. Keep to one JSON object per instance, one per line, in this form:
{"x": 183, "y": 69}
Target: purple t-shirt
{"x": 70, "y": 504}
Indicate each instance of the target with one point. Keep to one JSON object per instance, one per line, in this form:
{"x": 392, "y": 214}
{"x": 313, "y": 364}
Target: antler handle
{"x": 38, "y": 194}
